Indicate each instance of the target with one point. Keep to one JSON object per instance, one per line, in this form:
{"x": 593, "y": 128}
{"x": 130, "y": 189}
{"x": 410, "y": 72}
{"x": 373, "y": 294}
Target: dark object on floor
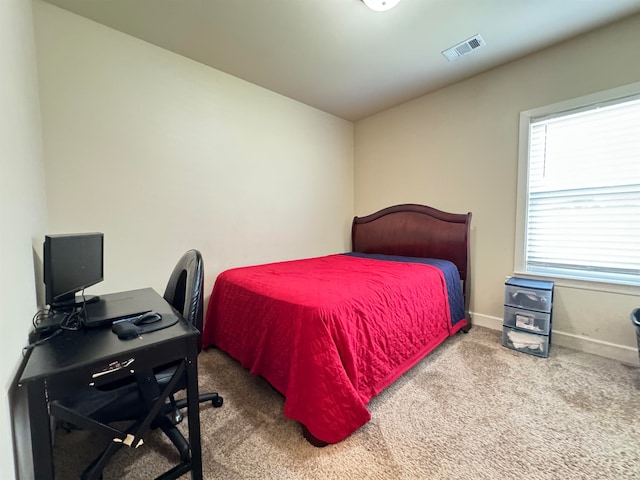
{"x": 635, "y": 319}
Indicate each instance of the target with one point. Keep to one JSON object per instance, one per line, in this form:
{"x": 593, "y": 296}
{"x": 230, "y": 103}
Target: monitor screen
{"x": 72, "y": 262}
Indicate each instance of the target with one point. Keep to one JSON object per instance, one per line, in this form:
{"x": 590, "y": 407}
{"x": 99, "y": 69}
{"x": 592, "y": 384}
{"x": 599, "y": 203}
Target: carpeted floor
{"x": 470, "y": 410}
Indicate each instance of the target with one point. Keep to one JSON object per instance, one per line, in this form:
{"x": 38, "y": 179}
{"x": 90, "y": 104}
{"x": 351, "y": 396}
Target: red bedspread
{"x": 329, "y": 333}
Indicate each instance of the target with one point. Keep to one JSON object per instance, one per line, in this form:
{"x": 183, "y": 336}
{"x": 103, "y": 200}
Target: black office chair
{"x": 185, "y": 293}
{"x": 116, "y": 403}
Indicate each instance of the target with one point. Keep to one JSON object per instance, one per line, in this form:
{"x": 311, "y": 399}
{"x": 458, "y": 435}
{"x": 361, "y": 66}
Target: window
{"x": 579, "y": 189}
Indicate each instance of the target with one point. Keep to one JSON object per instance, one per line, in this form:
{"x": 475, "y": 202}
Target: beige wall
{"x": 457, "y": 150}
{"x": 22, "y": 207}
{"x": 163, "y": 154}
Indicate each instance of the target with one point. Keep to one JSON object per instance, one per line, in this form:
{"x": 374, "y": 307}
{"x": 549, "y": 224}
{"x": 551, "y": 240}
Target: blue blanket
{"x": 449, "y": 270}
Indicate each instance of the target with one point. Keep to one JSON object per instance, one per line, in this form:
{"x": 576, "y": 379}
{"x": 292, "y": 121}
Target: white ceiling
{"x": 341, "y": 57}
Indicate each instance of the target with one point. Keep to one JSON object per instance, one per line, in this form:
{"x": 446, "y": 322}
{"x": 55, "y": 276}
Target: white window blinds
{"x": 583, "y": 202}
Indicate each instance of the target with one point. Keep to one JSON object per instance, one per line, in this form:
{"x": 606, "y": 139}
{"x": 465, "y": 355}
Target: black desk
{"x": 77, "y": 358}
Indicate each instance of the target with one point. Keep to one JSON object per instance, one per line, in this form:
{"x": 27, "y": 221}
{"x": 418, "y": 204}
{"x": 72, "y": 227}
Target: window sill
{"x": 606, "y": 287}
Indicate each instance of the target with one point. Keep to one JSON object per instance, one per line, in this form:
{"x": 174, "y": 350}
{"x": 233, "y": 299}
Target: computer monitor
{"x": 72, "y": 262}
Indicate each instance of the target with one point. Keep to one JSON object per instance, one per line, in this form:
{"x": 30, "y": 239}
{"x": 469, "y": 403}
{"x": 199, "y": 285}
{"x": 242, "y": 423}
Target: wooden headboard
{"x": 413, "y": 230}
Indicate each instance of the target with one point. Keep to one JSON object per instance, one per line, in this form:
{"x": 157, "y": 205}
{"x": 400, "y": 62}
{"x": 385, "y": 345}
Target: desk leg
{"x": 193, "y": 410}
{"x": 40, "y": 429}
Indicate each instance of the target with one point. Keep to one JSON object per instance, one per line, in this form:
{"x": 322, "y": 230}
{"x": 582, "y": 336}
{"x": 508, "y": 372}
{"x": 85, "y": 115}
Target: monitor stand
{"x": 72, "y": 303}
{"x": 59, "y": 311}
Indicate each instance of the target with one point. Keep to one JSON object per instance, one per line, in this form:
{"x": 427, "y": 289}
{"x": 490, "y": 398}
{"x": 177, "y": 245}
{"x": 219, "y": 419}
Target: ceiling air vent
{"x": 463, "y": 48}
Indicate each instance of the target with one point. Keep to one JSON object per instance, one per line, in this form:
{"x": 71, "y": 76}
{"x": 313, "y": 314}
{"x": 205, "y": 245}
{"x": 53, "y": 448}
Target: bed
{"x": 332, "y": 332}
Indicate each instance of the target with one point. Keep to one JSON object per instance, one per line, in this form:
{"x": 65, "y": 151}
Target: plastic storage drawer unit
{"x": 528, "y": 306}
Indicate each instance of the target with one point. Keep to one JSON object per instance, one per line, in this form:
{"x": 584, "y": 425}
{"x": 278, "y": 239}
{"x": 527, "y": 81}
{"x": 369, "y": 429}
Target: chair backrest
{"x": 185, "y": 288}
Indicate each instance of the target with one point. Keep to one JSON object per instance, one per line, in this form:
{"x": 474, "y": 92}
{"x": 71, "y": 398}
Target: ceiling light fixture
{"x": 381, "y": 5}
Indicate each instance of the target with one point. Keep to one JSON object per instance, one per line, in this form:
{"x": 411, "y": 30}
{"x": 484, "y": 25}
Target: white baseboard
{"x": 494, "y": 323}
{"x": 621, "y": 353}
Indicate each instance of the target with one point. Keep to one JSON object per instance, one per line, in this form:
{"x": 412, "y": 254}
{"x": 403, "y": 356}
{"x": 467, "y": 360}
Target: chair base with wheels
{"x": 215, "y": 399}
